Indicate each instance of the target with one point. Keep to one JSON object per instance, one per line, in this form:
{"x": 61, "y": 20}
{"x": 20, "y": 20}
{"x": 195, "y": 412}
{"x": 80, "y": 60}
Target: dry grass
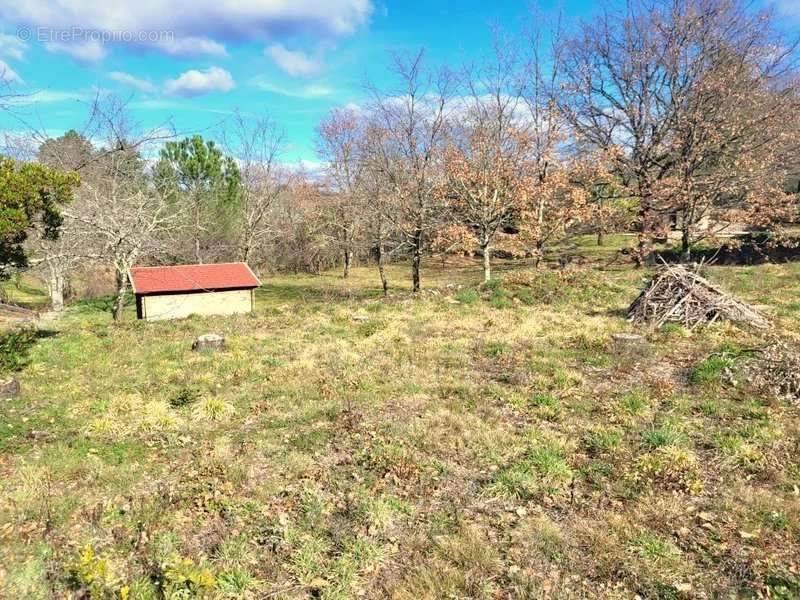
{"x": 477, "y": 443}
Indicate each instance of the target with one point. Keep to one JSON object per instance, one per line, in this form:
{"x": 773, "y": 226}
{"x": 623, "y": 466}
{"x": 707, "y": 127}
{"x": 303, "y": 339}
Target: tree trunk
{"x": 600, "y": 237}
{"x": 382, "y": 270}
{"x": 537, "y": 259}
{"x": 245, "y": 251}
{"x": 416, "y": 262}
{"x": 56, "y": 285}
{"x": 487, "y": 260}
{"x": 646, "y": 229}
{"x": 687, "y": 220}
{"x": 197, "y": 255}
{"x": 686, "y": 251}
{"x": 122, "y": 287}
{"x": 348, "y": 261}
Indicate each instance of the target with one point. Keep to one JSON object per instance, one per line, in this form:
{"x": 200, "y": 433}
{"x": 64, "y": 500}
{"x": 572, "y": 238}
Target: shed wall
{"x": 177, "y": 306}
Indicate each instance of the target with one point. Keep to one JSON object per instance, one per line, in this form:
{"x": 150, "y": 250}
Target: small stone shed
{"x": 179, "y": 291}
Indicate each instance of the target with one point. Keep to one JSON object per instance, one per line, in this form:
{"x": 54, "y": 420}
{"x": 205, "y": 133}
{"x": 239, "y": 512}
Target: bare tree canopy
{"x": 651, "y": 86}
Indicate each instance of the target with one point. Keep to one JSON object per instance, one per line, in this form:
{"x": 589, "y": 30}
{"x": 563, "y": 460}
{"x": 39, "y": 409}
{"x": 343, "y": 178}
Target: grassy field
{"x": 24, "y": 291}
{"x": 471, "y": 443}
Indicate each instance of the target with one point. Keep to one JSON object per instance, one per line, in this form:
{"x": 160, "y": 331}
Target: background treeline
{"x": 674, "y": 115}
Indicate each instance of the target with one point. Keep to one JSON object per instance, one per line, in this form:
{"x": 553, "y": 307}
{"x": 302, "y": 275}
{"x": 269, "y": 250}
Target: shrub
{"x": 213, "y": 409}
{"x": 633, "y": 403}
{"x": 671, "y": 468}
{"x": 500, "y": 299}
{"x": 182, "y": 578}
{"x": 663, "y": 436}
{"x": 185, "y": 395}
{"x": 496, "y": 349}
{"x": 601, "y": 440}
{"x": 93, "y": 576}
{"x": 15, "y": 345}
{"x": 467, "y": 296}
{"x": 711, "y": 369}
{"x": 543, "y": 470}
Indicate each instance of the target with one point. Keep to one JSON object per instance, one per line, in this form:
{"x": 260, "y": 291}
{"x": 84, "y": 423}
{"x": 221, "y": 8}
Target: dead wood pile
{"x": 676, "y": 294}
{"x": 776, "y": 371}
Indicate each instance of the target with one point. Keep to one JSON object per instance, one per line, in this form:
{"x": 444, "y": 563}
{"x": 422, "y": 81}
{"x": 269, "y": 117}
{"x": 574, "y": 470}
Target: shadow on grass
{"x": 101, "y": 303}
{"x": 747, "y": 249}
{"x": 44, "y": 334}
{"x": 309, "y": 293}
{"x": 613, "y": 313}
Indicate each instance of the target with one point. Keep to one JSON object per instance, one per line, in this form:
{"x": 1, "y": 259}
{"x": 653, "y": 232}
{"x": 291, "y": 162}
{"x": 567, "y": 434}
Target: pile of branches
{"x": 676, "y": 294}
{"x": 777, "y": 371}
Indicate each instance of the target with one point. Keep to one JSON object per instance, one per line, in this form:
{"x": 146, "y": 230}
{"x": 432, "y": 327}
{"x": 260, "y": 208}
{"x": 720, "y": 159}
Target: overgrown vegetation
{"x": 483, "y": 435}
{"x": 15, "y": 347}
{"x": 460, "y": 448}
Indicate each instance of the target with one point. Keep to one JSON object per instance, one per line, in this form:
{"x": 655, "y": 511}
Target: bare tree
{"x": 121, "y": 211}
{"x": 413, "y": 119}
{"x": 625, "y": 90}
{"x": 635, "y": 82}
{"x": 340, "y": 144}
{"x": 380, "y": 211}
{"x": 736, "y": 136}
{"x": 543, "y": 92}
{"x": 56, "y": 258}
{"x": 302, "y": 240}
{"x": 488, "y": 155}
{"x": 258, "y": 144}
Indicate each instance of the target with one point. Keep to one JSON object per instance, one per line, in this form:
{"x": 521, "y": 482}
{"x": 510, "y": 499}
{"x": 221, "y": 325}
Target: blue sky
{"x": 193, "y": 62}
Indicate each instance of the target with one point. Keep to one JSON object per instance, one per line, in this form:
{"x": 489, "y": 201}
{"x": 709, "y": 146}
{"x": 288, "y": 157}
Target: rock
{"x": 37, "y": 434}
{"x": 746, "y": 535}
{"x": 630, "y": 344}
{"x": 10, "y": 388}
{"x": 360, "y": 318}
{"x": 209, "y": 341}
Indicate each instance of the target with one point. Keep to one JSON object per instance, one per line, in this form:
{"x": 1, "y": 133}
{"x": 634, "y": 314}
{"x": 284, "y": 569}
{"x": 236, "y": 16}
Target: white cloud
{"x": 53, "y": 96}
{"x": 83, "y": 51}
{"x": 789, "y": 8}
{"x": 184, "y": 26}
{"x": 308, "y": 91}
{"x": 50, "y": 97}
{"x": 293, "y": 62}
{"x": 191, "y": 46}
{"x": 136, "y": 83}
{"x": 12, "y": 47}
{"x": 312, "y": 168}
{"x": 197, "y": 82}
{"x": 7, "y": 74}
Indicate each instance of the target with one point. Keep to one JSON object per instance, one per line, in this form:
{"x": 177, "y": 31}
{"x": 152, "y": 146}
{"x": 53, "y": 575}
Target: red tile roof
{"x": 192, "y": 278}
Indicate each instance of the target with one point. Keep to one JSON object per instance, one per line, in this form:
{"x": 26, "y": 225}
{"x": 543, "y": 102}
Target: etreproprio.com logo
{"x": 80, "y": 34}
